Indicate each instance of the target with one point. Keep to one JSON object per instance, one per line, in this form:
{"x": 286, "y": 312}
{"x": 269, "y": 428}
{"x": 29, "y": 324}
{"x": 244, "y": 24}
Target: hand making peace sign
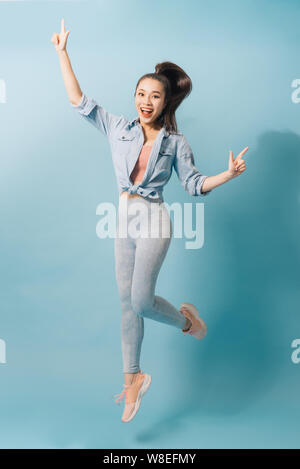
{"x": 60, "y": 40}
{"x": 236, "y": 166}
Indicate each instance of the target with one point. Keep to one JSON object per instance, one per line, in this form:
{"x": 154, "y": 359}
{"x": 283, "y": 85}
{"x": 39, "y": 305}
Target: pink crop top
{"x": 138, "y": 172}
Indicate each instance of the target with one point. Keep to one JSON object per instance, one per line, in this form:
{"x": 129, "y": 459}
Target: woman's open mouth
{"x": 146, "y": 113}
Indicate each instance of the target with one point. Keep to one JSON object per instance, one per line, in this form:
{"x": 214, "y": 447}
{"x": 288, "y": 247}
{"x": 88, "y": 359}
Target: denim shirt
{"x": 126, "y": 139}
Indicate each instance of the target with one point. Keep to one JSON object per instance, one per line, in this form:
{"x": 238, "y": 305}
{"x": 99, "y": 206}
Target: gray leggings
{"x": 138, "y": 259}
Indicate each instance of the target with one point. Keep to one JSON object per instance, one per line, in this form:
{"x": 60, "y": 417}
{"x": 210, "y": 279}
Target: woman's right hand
{"x": 60, "y": 40}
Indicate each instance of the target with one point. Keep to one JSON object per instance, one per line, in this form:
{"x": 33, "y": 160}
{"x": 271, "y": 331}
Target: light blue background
{"x": 60, "y": 310}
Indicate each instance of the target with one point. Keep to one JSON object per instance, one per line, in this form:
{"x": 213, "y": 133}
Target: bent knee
{"x": 141, "y": 307}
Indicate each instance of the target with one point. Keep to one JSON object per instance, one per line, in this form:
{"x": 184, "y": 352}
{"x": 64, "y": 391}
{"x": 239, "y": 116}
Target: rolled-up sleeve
{"x": 97, "y": 115}
{"x": 189, "y": 176}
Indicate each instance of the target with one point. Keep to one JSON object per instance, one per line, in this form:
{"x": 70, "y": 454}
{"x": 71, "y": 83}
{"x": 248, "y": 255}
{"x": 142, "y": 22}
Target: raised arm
{"x": 72, "y": 86}
{"x": 87, "y": 107}
{"x": 193, "y": 181}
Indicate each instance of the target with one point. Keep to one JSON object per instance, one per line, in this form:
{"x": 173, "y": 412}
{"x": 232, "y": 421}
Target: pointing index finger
{"x": 242, "y": 153}
{"x": 63, "y": 26}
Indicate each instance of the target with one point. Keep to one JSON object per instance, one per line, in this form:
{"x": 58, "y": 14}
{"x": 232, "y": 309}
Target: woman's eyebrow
{"x": 141, "y": 89}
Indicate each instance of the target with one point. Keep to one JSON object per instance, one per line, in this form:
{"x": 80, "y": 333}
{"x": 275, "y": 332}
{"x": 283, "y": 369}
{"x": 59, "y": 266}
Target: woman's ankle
{"x": 130, "y": 378}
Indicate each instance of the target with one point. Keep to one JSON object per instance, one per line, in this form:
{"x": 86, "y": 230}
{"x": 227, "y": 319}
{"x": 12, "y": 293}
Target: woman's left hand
{"x": 236, "y": 166}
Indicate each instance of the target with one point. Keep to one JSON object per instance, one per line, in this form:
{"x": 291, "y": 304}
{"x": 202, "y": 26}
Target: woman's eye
{"x": 143, "y": 93}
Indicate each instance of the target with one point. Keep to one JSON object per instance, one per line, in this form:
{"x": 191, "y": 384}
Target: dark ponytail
{"x": 177, "y": 86}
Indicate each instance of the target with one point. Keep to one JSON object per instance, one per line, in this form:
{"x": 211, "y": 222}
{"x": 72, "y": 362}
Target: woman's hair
{"x": 177, "y": 86}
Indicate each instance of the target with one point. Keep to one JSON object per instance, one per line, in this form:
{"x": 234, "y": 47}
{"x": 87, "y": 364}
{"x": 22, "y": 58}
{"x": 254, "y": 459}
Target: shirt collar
{"x": 136, "y": 121}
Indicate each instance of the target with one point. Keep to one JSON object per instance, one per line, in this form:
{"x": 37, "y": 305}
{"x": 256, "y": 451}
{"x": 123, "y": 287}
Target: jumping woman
{"x": 144, "y": 152}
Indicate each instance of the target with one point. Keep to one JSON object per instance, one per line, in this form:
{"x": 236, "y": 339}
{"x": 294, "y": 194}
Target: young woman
{"x": 144, "y": 151}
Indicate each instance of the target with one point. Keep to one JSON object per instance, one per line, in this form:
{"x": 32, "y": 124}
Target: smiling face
{"x": 149, "y": 95}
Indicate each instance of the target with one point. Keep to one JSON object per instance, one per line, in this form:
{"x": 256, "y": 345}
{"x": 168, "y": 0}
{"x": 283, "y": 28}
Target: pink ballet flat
{"x": 198, "y": 328}
{"x": 142, "y": 383}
